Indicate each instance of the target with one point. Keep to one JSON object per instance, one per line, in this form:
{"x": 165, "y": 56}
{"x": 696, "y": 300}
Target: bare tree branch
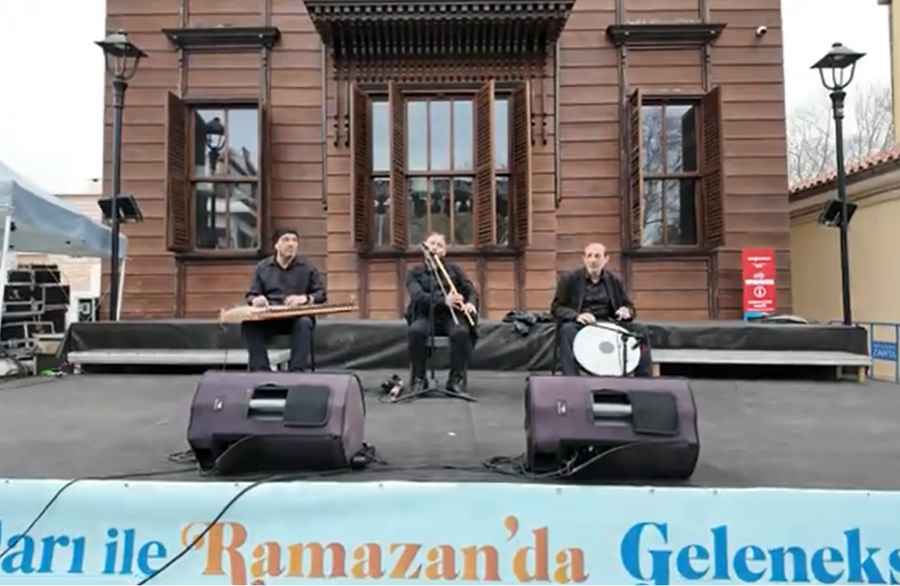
{"x": 868, "y": 129}
{"x": 874, "y": 119}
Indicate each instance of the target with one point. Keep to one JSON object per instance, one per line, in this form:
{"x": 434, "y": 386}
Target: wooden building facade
{"x": 522, "y": 129}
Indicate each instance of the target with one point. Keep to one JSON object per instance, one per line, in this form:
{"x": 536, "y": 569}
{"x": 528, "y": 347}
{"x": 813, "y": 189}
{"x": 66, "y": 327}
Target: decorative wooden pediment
{"x": 387, "y": 30}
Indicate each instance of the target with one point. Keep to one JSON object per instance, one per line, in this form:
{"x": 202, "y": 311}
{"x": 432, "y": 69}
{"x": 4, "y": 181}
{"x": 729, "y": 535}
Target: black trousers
{"x": 460, "y": 344}
{"x": 566, "y": 339}
{"x": 258, "y": 334}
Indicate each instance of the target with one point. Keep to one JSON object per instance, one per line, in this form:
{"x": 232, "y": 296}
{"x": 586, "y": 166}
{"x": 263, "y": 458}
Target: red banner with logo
{"x": 759, "y": 281}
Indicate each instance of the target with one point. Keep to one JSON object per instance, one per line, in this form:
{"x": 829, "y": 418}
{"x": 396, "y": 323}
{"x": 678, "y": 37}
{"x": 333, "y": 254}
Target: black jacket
{"x": 423, "y": 288}
{"x": 276, "y": 283}
{"x": 570, "y": 294}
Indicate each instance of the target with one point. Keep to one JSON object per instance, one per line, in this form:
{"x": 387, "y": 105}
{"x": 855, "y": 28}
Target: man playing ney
{"x": 589, "y": 295}
{"x": 424, "y": 291}
{"x": 283, "y": 279}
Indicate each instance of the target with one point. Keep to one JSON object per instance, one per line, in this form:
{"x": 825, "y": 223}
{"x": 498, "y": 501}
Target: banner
{"x": 415, "y": 533}
{"x": 758, "y": 273}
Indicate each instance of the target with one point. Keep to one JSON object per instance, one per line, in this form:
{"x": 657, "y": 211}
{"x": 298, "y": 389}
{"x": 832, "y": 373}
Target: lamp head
{"x": 215, "y": 133}
{"x": 837, "y": 67}
{"x": 122, "y": 55}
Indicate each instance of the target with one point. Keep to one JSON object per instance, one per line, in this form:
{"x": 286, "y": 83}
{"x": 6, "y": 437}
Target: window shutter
{"x": 399, "y": 198}
{"x": 636, "y": 167}
{"x": 484, "y": 166}
{"x": 262, "y": 204}
{"x": 713, "y": 180}
{"x": 520, "y": 190}
{"x": 361, "y": 176}
{"x": 178, "y": 191}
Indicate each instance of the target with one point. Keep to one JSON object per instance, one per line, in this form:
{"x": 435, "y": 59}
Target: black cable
{"x": 231, "y": 502}
{"x": 21, "y": 535}
{"x": 515, "y": 466}
{"x": 34, "y": 380}
{"x": 569, "y": 469}
{"x": 277, "y": 479}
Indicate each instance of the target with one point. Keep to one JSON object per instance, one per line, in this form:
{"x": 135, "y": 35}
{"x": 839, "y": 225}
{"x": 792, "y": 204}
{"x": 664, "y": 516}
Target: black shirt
{"x": 423, "y": 289}
{"x": 277, "y": 283}
{"x": 596, "y": 299}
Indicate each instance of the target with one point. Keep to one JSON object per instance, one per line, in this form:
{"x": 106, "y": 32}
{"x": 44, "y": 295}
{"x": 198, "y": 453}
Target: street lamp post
{"x": 836, "y": 70}
{"x": 122, "y": 59}
{"x": 215, "y": 141}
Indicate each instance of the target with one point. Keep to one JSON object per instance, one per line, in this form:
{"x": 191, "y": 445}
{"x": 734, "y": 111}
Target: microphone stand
{"x": 431, "y": 386}
{"x": 626, "y": 336}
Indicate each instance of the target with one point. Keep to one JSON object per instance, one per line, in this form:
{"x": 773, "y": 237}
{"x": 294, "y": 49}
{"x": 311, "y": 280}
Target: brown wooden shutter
{"x": 636, "y": 167}
{"x": 178, "y": 189}
{"x": 520, "y": 190}
{"x": 399, "y": 197}
{"x": 712, "y": 184}
{"x": 483, "y": 209}
{"x": 361, "y": 169}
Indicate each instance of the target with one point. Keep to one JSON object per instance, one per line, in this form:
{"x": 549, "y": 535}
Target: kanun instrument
{"x": 244, "y": 313}
{"x": 274, "y": 421}
{"x": 615, "y": 427}
{"x": 607, "y": 349}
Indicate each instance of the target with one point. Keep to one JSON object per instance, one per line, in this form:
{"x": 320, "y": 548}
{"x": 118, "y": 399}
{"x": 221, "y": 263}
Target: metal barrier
{"x": 884, "y": 339}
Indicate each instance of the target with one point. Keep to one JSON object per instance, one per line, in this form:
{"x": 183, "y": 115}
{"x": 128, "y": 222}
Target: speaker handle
{"x": 610, "y": 404}
{"x": 610, "y": 396}
{"x": 269, "y": 391}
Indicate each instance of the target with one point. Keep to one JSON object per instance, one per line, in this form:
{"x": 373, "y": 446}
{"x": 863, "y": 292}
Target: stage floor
{"x": 782, "y": 434}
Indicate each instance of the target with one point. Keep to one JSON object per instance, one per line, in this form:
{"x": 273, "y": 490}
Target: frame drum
{"x": 607, "y": 349}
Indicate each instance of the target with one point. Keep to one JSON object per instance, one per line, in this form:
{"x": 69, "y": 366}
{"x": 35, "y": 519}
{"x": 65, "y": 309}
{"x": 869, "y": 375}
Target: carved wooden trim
{"x": 381, "y": 32}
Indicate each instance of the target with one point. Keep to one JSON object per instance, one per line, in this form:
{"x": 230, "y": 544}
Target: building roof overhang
{"x": 372, "y": 31}
{"x": 880, "y": 163}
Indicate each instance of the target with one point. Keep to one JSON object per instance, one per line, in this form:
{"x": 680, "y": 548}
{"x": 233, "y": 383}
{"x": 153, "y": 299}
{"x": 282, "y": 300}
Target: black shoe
{"x": 417, "y": 386}
{"x": 457, "y": 385}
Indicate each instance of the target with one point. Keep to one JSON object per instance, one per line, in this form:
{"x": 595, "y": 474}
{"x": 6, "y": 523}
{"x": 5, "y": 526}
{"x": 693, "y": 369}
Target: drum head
{"x": 606, "y": 350}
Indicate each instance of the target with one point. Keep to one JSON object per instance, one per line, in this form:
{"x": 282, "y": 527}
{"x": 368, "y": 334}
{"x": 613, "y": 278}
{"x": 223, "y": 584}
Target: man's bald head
{"x": 595, "y": 258}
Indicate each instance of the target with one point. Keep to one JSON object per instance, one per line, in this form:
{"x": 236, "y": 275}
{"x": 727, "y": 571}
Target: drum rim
{"x": 632, "y": 354}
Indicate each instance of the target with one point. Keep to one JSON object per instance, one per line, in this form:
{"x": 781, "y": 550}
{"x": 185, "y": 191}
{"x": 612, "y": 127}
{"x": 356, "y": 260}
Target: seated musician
{"x": 287, "y": 280}
{"x": 590, "y": 295}
{"x": 423, "y": 292}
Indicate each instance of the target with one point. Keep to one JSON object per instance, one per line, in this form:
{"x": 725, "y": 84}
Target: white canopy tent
{"x": 38, "y": 222}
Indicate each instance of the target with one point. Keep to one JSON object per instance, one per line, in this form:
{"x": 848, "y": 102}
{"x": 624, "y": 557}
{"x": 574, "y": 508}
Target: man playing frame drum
{"x": 595, "y": 297}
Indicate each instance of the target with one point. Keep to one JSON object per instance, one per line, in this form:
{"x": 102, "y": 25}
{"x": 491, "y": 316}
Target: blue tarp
{"x": 43, "y": 223}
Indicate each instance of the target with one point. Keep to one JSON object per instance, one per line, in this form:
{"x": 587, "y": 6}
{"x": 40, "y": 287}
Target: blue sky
{"x": 51, "y": 103}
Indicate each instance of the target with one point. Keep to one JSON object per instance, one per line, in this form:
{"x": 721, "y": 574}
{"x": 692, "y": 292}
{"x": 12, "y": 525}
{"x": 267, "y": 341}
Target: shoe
{"x": 456, "y": 384}
{"x": 417, "y": 386}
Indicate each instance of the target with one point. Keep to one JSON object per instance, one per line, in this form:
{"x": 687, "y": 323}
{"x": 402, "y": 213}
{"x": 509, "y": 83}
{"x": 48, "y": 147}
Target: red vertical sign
{"x": 758, "y": 268}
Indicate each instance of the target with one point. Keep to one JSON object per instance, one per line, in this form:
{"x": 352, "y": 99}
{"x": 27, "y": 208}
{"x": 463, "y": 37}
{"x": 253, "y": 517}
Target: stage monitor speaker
{"x": 244, "y": 422}
{"x": 646, "y": 428}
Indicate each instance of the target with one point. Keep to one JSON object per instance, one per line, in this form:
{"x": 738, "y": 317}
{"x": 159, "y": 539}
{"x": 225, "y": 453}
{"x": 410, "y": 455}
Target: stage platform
{"x": 519, "y": 345}
{"x": 786, "y": 434}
